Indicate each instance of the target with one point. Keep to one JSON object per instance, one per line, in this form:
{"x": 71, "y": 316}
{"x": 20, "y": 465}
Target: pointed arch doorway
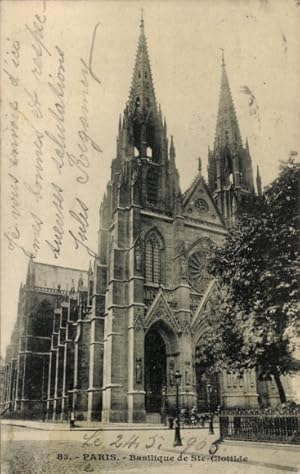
{"x": 155, "y": 370}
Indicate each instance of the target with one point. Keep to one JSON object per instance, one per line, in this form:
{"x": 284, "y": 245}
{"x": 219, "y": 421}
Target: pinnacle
{"x": 199, "y": 165}
{"x": 172, "y": 148}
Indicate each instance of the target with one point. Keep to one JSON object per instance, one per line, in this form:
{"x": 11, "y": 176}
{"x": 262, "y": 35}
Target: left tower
{"x": 143, "y": 179}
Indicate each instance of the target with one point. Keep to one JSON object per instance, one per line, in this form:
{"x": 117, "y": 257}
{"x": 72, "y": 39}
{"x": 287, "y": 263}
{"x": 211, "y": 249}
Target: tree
{"x": 257, "y": 266}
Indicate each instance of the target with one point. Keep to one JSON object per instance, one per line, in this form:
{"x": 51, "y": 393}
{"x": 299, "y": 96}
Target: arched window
{"x": 149, "y": 152}
{"x": 154, "y": 257}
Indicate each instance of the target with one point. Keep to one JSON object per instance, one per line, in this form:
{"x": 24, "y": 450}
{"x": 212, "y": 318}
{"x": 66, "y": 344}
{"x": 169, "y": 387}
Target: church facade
{"x": 106, "y": 343}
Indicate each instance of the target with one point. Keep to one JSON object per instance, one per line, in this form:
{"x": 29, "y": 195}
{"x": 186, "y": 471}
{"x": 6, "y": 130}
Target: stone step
{"x": 154, "y": 418}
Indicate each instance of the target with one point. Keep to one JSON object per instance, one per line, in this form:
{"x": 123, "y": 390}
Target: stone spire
{"x": 230, "y": 174}
{"x": 142, "y": 159}
{"x": 227, "y": 128}
{"x": 142, "y": 96}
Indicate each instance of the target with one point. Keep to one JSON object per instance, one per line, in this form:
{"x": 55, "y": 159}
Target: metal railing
{"x": 54, "y": 291}
{"x": 276, "y": 428}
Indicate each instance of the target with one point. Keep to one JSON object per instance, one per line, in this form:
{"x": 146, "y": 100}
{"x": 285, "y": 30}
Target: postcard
{"x": 150, "y": 155}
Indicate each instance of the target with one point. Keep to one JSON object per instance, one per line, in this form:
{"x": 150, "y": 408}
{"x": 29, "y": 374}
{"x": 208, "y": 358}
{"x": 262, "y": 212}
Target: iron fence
{"x": 277, "y": 428}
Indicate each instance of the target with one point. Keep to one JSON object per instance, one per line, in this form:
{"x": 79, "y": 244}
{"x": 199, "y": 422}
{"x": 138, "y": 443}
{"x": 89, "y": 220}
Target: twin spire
{"x": 143, "y": 109}
{"x": 227, "y": 128}
{"x": 142, "y": 95}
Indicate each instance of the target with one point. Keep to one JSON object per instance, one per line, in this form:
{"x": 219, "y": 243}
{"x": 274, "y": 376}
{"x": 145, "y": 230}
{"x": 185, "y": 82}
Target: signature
{"x": 12, "y": 62}
{"x": 14, "y": 196}
{"x": 91, "y": 55}
{"x": 37, "y": 33}
{"x": 13, "y": 235}
{"x": 46, "y": 131}
{"x": 57, "y": 87}
{"x": 81, "y": 161}
{"x": 36, "y": 189}
{"x": 58, "y": 228}
{"x": 81, "y": 217}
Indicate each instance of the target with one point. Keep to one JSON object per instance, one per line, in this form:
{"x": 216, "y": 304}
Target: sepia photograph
{"x": 150, "y": 180}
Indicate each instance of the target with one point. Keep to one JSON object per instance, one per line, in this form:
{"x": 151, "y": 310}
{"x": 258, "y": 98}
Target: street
{"x": 30, "y": 450}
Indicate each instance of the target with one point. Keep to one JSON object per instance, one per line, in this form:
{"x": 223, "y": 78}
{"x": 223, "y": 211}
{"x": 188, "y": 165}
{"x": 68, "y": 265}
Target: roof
{"x": 51, "y": 276}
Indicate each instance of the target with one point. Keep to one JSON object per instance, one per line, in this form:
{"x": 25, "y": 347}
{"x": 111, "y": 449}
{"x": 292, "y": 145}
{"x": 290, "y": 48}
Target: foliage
{"x": 254, "y": 325}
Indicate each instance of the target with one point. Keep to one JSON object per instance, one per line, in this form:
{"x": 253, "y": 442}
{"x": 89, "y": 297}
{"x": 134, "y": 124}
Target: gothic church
{"x": 106, "y": 343}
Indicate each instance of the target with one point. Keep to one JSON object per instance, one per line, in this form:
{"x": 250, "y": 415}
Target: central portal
{"x": 155, "y": 370}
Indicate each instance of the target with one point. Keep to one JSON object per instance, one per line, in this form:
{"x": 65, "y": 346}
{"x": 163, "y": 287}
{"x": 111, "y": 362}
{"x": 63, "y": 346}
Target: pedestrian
{"x": 72, "y": 420}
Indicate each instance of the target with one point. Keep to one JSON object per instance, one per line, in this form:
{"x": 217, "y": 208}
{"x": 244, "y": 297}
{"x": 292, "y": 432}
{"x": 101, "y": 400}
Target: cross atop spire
{"x": 227, "y": 128}
{"x": 223, "y": 61}
{"x": 142, "y": 18}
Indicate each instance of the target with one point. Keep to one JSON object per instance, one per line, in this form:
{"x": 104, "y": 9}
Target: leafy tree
{"x": 254, "y": 325}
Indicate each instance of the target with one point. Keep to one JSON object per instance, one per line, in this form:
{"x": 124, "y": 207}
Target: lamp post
{"x": 72, "y": 405}
{"x": 208, "y": 388}
{"x": 43, "y": 387}
{"x": 211, "y": 416}
{"x": 163, "y": 407}
{"x": 177, "y": 440}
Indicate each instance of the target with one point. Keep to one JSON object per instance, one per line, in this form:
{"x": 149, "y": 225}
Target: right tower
{"x": 230, "y": 175}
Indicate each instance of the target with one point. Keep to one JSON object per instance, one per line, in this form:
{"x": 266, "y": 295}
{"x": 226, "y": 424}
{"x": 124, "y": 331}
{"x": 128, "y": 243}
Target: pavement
{"x": 80, "y": 425}
{"x": 34, "y": 447}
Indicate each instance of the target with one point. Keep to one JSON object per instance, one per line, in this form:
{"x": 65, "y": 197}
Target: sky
{"x": 47, "y": 48}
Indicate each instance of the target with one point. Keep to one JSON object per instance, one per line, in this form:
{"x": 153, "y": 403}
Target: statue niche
{"x": 138, "y": 370}
{"x": 138, "y": 258}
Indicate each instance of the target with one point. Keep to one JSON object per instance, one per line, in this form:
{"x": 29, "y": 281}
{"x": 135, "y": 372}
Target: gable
{"x": 210, "y": 299}
{"x": 199, "y": 204}
{"x": 160, "y": 310}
